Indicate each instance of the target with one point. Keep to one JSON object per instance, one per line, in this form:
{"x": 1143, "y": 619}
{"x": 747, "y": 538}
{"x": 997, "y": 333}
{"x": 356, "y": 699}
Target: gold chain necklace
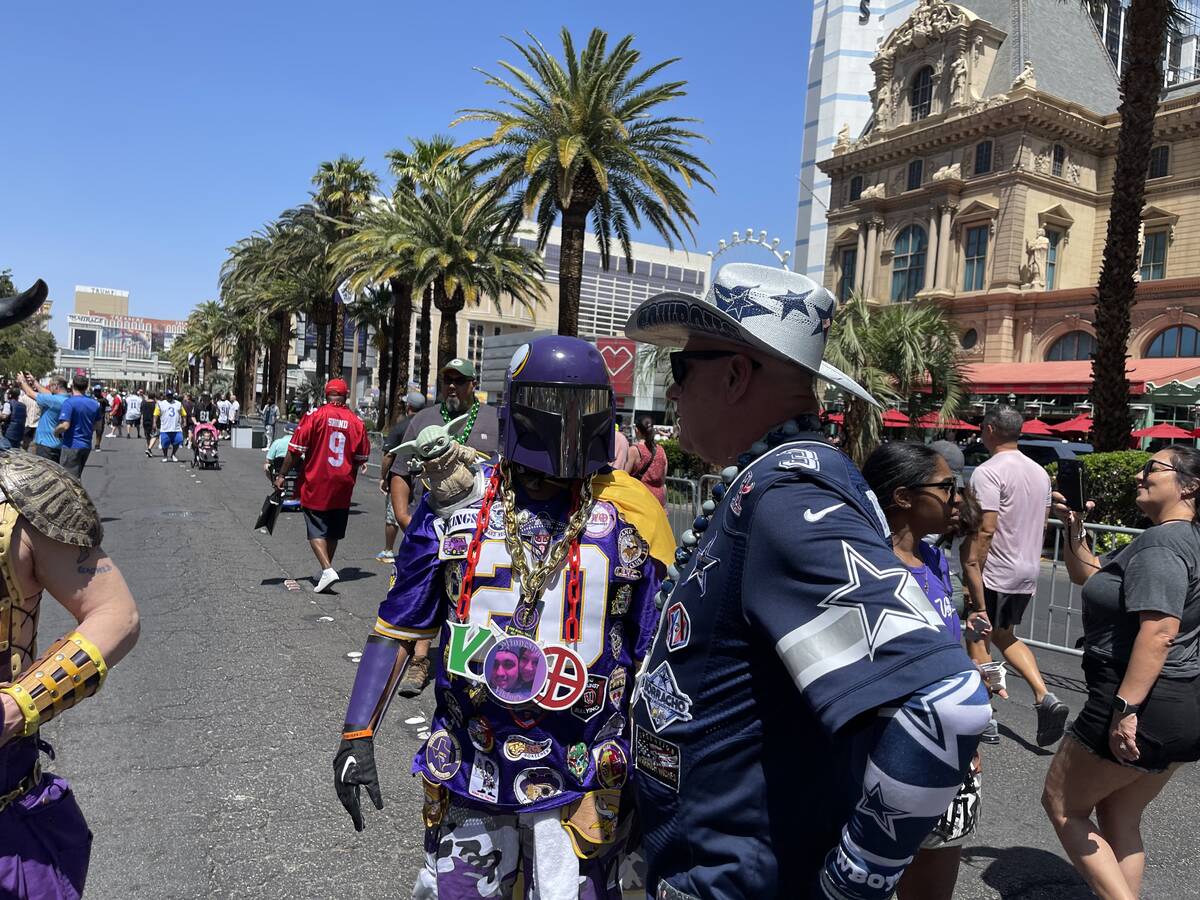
{"x": 533, "y": 578}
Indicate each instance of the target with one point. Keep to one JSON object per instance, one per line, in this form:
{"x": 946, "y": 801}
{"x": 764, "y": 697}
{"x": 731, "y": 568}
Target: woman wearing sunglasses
{"x": 919, "y": 493}
{"x": 1141, "y": 622}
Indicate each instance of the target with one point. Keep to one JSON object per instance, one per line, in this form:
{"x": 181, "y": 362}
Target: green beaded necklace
{"x": 466, "y": 432}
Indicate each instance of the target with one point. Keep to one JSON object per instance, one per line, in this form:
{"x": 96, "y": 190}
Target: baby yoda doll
{"x": 449, "y": 469}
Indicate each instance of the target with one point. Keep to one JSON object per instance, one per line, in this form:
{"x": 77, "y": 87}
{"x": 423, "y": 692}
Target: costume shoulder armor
{"x": 50, "y": 498}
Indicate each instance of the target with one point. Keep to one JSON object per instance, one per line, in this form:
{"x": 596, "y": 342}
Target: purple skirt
{"x": 45, "y": 843}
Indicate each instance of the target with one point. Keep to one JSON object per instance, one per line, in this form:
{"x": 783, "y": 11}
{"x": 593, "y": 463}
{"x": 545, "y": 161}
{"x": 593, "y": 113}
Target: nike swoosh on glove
{"x": 354, "y": 769}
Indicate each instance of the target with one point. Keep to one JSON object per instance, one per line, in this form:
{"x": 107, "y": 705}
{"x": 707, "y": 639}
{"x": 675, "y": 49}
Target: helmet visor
{"x": 560, "y": 424}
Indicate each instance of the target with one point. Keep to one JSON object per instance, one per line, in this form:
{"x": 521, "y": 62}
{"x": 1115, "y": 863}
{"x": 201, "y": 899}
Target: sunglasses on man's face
{"x": 681, "y": 358}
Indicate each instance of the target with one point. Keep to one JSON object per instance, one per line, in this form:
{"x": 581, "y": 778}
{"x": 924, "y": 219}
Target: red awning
{"x": 1162, "y": 430}
{"x": 1074, "y": 377}
{"x": 1077, "y": 425}
{"x": 1036, "y": 427}
{"x": 893, "y": 418}
{"x": 931, "y": 421}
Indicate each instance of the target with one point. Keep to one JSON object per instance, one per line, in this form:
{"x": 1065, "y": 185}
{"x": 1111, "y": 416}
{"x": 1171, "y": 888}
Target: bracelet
{"x": 72, "y": 670}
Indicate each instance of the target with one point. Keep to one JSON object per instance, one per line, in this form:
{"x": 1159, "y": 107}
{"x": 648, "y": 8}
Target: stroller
{"x": 205, "y": 444}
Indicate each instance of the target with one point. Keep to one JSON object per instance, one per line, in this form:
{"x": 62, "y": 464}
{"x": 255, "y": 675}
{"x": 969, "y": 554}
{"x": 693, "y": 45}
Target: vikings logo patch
{"x": 537, "y": 784}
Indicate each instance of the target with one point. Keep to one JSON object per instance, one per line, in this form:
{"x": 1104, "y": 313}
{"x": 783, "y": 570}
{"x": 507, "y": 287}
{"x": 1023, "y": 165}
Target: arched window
{"x": 1178, "y": 340}
{"x": 1072, "y": 345}
{"x": 920, "y": 94}
{"x": 856, "y": 187}
{"x": 908, "y": 263}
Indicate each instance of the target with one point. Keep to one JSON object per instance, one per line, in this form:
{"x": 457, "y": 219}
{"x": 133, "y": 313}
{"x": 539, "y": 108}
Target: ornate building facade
{"x": 982, "y": 181}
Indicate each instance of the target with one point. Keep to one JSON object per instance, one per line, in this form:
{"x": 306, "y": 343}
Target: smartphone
{"x": 1070, "y": 482}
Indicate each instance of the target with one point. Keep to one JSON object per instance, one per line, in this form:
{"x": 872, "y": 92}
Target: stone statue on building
{"x": 958, "y": 80}
{"x": 883, "y": 103}
{"x": 1036, "y": 252}
{"x": 843, "y": 139}
{"x": 1026, "y": 78}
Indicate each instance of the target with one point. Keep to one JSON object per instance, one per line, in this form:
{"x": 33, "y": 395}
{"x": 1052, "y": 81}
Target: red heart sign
{"x": 619, "y": 355}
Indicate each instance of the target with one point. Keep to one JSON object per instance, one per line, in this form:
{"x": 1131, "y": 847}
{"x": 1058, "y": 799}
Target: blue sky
{"x": 142, "y": 139}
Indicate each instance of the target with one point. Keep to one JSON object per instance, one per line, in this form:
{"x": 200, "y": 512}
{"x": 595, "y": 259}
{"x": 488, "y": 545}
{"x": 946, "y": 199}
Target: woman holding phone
{"x": 1141, "y": 662}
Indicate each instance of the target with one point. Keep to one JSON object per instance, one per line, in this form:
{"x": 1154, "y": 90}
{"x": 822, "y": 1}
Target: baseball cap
{"x": 951, "y": 453}
{"x": 463, "y": 367}
{"x": 336, "y": 386}
{"x": 415, "y": 401}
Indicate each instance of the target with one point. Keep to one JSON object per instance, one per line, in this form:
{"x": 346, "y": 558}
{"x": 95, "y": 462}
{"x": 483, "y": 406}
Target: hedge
{"x": 1109, "y": 481}
{"x": 680, "y": 464}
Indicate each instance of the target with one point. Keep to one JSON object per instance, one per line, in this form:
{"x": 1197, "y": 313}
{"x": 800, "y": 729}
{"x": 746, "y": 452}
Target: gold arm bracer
{"x": 70, "y": 671}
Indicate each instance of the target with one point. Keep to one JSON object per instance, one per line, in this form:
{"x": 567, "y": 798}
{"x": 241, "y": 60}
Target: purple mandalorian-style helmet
{"x": 557, "y": 416}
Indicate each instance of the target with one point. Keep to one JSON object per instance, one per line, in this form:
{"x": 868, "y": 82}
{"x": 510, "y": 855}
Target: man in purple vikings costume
{"x": 543, "y": 591}
{"x": 49, "y": 540}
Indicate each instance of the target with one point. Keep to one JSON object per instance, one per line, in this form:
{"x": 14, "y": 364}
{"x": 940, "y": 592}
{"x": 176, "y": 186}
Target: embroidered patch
{"x": 537, "y": 784}
{"x": 591, "y": 701}
{"x": 614, "y": 727}
{"x": 616, "y": 640}
{"x": 735, "y": 504}
{"x": 631, "y": 552}
{"x": 665, "y": 702}
{"x": 453, "y": 711}
{"x": 526, "y": 717}
{"x": 616, "y": 686}
{"x": 485, "y": 779}
{"x": 656, "y": 758}
{"x": 443, "y": 755}
{"x": 479, "y": 730}
{"x": 518, "y": 747}
{"x": 622, "y": 597}
{"x": 799, "y": 458}
{"x": 454, "y": 546}
{"x": 679, "y": 627}
{"x": 577, "y": 761}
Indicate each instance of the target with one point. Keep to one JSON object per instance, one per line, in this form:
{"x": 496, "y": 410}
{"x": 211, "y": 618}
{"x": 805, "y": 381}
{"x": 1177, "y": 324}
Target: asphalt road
{"x": 204, "y": 766}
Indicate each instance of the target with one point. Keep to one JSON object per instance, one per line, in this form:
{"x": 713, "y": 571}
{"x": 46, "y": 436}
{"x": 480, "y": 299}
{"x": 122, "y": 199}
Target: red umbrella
{"x": 893, "y": 418}
{"x": 835, "y": 418}
{"x": 1162, "y": 430}
{"x": 1078, "y": 425}
{"x": 930, "y": 420}
{"x": 1036, "y": 427}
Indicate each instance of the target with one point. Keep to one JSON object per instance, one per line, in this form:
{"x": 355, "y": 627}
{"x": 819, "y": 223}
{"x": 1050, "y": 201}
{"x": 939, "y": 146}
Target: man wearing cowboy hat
{"x": 802, "y": 719}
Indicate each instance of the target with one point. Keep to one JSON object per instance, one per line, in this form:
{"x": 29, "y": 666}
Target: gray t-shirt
{"x": 484, "y": 436}
{"x": 1158, "y": 572}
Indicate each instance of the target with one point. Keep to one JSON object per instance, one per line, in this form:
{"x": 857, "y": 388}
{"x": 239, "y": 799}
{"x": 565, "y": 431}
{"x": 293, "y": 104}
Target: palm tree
{"x": 1146, "y": 25}
{"x": 343, "y": 188}
{"x": 204, "y": 337}
{"x": 429, "y": 165}
{"x": 584, "y": 140}
{"x": 894, "y": 352}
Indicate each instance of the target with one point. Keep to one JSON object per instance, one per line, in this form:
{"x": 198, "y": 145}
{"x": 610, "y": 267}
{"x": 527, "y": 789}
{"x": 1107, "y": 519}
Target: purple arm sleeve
{"x": 374, "y": 683}
{"x": 414, "y": 609}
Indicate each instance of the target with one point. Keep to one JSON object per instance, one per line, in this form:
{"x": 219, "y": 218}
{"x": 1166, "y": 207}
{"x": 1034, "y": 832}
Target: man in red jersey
{"x": 333, "y": 443}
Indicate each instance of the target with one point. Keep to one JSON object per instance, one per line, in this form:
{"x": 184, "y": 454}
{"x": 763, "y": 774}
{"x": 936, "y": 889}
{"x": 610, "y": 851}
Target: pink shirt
{"x": 621, "y": 443}
{"x": 1018, "y": 490}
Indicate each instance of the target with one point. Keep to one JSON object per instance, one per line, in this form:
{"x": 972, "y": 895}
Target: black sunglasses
{"x": 679, "y": 361}
{"x": 1148, "y": 469}
{"x": 950, "y": 486}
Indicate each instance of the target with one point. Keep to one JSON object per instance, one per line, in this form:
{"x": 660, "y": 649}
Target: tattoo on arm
{"x": 93, "y": 570}
{"x": 84, "y": 553}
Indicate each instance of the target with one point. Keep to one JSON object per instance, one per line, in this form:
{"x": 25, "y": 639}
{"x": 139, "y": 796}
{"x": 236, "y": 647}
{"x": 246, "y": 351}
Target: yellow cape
{"x": 638, "y": 507}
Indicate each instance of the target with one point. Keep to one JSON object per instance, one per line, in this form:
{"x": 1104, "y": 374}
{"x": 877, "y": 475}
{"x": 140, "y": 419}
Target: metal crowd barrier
{"x": 683, "y": 503}
{"x": 1054, "y": 620}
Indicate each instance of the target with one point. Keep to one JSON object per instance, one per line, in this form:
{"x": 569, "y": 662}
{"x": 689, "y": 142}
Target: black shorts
{"x": 329, "y": 524}
{"x": 1005, "y": 610}
{"x": 1168, "y": 722}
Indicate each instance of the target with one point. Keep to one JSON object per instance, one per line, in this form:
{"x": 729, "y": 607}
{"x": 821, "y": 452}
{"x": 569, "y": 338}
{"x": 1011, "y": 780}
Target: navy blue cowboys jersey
{"x": 792, "y": 624}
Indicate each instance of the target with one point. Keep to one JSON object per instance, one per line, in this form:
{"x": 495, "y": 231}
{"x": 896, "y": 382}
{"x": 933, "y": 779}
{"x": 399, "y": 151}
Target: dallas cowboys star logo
{"x": 792, "y": 302}
{"x": 924, "y": 723}
{"x": 823, "y": 318}
{"x": 873, "y": 804}
{"x": 875, "y": 605}
{"x": 704, "y": 562}
{"x": 737, "y": 302}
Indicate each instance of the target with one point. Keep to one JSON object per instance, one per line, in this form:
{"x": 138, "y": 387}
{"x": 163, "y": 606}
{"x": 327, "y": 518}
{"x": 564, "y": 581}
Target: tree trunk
{"x": 337, "y": 339}
{"x": 279, "y": 355}
{"x": 322, "y": 359}
{"x": 383, "y": 353}
{"x": 449, "y": 307}
{"x": 570, "y": 271}
{"x": 1145, "y": 30}
{"x": 401, "y": 334}
{"x": 425, "y": 335}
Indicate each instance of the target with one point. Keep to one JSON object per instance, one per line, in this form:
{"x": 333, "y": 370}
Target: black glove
{"x": 353, "y": 768}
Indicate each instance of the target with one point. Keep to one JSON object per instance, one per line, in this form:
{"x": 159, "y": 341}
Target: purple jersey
{"x": 934, "y": 578}
{"x": 524, "y": 758}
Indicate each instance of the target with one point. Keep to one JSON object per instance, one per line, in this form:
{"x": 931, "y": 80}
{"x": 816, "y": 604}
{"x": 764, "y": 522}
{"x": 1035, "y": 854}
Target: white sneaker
{"x": 165, "y": 459}
{"x": 328, "y": 577}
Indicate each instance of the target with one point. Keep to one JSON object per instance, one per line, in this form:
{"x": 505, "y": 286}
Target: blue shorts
{"x": 171, "y": 439}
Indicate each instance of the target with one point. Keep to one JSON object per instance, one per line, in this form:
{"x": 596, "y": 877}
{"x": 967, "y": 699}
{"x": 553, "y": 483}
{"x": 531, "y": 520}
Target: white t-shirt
{"x": 223, "y": 411}
{"x": 170, "y": 416}
{"x": 235, "y": 411}
{"x": 133, "y": 407}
